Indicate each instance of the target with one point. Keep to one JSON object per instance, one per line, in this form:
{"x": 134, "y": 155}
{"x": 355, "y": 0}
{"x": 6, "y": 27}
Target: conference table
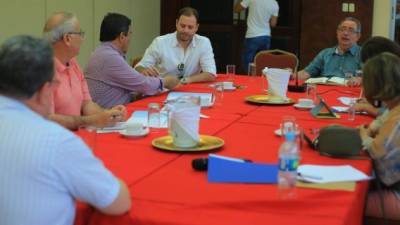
{"x": 166, "y": 190}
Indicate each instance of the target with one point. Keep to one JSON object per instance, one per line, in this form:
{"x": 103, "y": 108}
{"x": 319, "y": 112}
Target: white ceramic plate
{"x": 143, "y": 133}
{"x": 298, "y": 106}
{"x": 278, "y": 132}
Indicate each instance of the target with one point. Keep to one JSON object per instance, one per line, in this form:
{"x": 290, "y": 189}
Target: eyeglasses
{"x": 80, "y": 33}
{"x": 348, "y": 30}
{"x": 181, "y": 68}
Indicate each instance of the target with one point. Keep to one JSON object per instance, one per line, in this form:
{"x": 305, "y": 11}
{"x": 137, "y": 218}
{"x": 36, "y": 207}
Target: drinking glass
{"x": 230, "y": 72}
{"x": 153, "y": 118}
{"x": 311, "y": 92}
{"x": 218, "y": 93}
{"x": 348, "y": 76}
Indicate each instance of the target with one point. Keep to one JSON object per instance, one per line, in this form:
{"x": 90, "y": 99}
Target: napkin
{"x": 278, "y": 80}
{"x": 185, "y": 124}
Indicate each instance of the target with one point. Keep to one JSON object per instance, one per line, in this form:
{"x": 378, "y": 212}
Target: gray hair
{"x": 26, "y": 64}
{"x": 355, "y": 20}
{"x": 55, "y": 32}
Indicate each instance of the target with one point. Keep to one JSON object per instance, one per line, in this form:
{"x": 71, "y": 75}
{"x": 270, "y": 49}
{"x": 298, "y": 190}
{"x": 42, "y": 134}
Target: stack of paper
{"x": 325, "y": 174}
{"x": 206, "y": 99}
{"x": 327, "y": 80}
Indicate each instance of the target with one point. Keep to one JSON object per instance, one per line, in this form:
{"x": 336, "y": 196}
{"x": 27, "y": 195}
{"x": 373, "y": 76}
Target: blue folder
{"x": 223, "y": 169}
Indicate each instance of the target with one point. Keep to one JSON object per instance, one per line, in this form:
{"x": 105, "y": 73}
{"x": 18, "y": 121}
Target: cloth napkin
{"x": 278, "y": 80}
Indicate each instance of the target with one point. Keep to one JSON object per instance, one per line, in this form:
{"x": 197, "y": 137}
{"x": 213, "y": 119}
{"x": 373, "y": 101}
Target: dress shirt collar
{"x": 10, "y": 103}
{"x": 60, "y": 67}
{"x": 175, "y": 42}
{"x": 352, "y": 50}
{"x": 111, "y": 45}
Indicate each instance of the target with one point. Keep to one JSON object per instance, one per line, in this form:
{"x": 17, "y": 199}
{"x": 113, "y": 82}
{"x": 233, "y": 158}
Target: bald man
{"x": 72, "y": 104}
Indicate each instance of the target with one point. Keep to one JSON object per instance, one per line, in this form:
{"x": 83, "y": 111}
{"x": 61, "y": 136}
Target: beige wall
{"x": 28, "y": 16}
{"x": 382, "y": 18}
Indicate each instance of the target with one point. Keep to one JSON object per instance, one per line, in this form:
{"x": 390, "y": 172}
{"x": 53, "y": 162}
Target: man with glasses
{"x": 183, "y": 53}
{"x": 110, "y": 78}
{"x": 341, "y": 59}
{"x": 72, "y": 103}
{"x": 44, "y": 168}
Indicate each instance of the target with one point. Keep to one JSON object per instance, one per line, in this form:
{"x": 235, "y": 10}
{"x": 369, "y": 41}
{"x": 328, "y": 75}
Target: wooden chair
{"x": 275, "y": 59}
{"x": 136, "y": 60}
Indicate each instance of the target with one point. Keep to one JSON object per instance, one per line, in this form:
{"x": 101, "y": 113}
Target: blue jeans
{"x": 252, "y": 46}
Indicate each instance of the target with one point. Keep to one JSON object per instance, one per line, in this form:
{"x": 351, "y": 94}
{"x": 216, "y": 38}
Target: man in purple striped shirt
{"x": 110, "y": 78}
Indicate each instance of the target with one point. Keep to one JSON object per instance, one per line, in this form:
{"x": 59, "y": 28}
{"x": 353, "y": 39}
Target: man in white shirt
{"x": 44, "y": 168}
{"x": 183, "y": 53}
{"x": 263, "y": 14}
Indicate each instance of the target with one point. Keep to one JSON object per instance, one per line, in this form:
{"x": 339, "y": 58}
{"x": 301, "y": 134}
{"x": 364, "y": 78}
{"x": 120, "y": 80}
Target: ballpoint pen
{"x": 312, "y": 177}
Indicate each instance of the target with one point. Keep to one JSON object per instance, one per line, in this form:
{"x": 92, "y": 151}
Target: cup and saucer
{"x": 134, "y": 130}
{"x": 304, "y": 104}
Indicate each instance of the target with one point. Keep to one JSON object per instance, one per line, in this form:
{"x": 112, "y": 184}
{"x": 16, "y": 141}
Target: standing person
{"x": 184, "y": 54}
{"x": 110, "y": 78}
{"x": 263, "y": 15}
{"x": 72, "y": 105}
{"x": 44, "y": 168}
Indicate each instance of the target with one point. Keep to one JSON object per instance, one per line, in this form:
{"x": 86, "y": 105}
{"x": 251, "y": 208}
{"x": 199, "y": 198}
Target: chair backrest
{"x": 275, "y": 59}
{"x": 136, "y": 60}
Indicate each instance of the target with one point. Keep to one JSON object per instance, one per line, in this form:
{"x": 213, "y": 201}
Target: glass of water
{"x": 153, "y": 118}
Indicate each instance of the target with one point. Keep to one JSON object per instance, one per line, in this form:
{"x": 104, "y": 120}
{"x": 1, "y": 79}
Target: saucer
{"x": 298, "y": 106}
{"x": 231, "y": 88}
{"x": 143, "y": 133}
{"x": 278, "y": 132}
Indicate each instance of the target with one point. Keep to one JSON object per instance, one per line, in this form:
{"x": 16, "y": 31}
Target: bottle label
{"x": 288, "y": 164}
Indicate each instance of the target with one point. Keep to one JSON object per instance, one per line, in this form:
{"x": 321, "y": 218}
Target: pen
{"x": 309, "y": 176}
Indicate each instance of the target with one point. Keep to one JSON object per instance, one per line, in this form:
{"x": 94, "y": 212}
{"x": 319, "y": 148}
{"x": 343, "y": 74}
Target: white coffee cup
{"x": 305, "y": 102}
{"x": 134, "y": 128}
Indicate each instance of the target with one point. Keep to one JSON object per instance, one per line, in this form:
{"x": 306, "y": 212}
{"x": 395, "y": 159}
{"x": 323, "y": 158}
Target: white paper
{"x": 141, "y": 117}
{"x": 317, "y": 80}
{"x": 346, "y": 100}
{"x": 206, "y": 99}
{"x": 326, "y": 174}
{"x": 116, "y": 128}
{"x": 340, "y": 108}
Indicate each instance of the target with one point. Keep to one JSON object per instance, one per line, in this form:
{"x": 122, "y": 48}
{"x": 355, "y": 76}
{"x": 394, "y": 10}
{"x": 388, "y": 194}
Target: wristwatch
{"x": 184, "y": 80}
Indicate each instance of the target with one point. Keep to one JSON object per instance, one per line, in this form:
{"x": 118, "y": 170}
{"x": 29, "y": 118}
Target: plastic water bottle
{"x": 288, "y": 163}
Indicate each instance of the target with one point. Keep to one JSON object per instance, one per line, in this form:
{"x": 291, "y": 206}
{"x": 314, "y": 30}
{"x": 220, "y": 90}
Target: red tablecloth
{"x": 166, "y": 190}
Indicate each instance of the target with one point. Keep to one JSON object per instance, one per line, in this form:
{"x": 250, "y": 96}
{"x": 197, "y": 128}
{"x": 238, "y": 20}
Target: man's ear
{"x": 66, "y": 39}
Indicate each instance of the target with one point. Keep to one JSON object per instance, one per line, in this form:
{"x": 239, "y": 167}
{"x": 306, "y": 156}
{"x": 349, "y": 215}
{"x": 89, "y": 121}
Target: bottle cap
{"x": 290, "y": 136}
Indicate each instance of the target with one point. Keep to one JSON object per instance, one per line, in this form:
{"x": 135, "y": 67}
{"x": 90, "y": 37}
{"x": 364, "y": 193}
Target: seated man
{"x": 44, "y": 167}
{"x": 338, "y": 60}
{"x": 72, "y": 104}
{"x": 183, "y": 53}
{"x": 110, "y": 78}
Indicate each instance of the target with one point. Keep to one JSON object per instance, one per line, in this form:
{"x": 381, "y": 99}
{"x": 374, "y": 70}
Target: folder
{"x": 223, "y": 169}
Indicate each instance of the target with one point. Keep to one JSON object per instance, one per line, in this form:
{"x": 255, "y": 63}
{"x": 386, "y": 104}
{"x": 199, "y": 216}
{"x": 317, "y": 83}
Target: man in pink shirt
{"x": 72, "y": 104}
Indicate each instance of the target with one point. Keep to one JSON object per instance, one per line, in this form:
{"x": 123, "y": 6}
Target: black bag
{"x": 338, "y": 141}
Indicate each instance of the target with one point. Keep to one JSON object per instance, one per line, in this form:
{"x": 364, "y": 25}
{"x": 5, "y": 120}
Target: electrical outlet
{"x": 345, "y": 7}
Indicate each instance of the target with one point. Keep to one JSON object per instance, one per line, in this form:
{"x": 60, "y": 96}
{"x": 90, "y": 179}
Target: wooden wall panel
{"x": 319, "y": 20}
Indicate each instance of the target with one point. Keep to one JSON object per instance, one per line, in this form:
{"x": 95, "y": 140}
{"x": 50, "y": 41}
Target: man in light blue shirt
{"x": 341, "y": 59}
{"x": 44, "y": 168}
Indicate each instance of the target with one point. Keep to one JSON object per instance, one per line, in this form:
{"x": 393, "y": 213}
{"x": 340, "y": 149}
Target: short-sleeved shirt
{"x": 44, "y": 168}
{"x": 260, "y": 13}
{"x": 111, "y": 79}
{"x": 72, "y": 90}
{"x": 329, "y": 62}
{"x": 166, "y": 53}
